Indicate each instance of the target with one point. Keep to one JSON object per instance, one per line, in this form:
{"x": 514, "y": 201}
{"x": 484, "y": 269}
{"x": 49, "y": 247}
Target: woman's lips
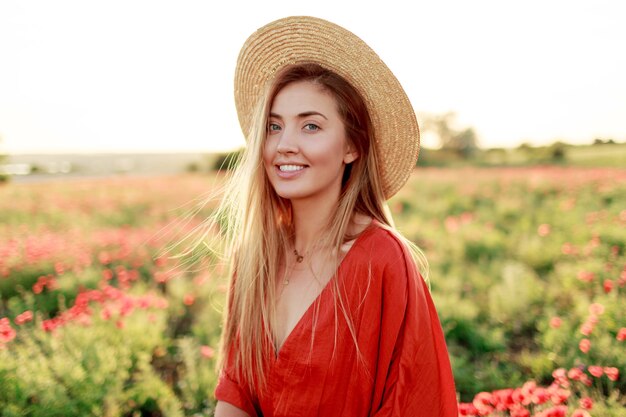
{"x": 290, "y": 170}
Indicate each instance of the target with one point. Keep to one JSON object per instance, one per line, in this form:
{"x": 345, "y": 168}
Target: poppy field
{"x": 527, "y": 269}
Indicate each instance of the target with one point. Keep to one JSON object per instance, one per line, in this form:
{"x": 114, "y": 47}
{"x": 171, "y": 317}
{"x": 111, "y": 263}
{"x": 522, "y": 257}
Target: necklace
{"x": 299, "y": 259}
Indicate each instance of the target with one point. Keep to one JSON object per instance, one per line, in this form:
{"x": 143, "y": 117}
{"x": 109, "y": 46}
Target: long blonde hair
{"x": 257, "y": 223}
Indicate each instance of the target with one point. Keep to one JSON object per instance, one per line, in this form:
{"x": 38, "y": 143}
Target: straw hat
{"x": 303, "y": 39}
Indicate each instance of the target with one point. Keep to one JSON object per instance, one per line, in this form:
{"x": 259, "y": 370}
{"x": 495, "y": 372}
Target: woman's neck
{"x": 309, "y": 221}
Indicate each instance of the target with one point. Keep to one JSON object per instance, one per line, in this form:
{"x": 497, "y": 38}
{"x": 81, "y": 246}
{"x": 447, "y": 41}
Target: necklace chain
{"x": 299, "y": 259}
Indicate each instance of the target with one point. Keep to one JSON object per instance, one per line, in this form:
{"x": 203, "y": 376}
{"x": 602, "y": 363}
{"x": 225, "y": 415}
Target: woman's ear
{"x": 351, "y": 154}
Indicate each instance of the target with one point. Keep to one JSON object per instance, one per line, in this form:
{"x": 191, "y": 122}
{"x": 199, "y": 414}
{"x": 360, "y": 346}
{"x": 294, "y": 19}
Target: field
{"x": 527, "y": 269}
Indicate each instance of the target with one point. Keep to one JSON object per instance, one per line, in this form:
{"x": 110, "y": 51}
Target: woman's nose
{"x": 287, "y": 142}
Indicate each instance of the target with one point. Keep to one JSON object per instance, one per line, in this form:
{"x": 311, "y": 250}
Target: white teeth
{"x": 290, "y": 168}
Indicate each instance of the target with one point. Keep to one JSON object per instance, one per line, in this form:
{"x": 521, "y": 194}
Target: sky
{"x": 157, "y": 76}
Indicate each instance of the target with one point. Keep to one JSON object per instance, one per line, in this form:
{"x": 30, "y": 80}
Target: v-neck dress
{"x": 401, "y": 367}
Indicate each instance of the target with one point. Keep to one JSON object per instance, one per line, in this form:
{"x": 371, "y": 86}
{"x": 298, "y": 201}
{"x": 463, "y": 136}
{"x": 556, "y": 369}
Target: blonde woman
{"x": 328, "y": 314}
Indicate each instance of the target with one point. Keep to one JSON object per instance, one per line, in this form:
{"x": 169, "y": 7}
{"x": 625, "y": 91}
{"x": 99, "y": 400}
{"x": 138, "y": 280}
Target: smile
{"x": 291, "y": 168}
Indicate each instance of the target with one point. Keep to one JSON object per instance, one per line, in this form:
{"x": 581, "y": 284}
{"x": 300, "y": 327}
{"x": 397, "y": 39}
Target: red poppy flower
{"x": 584, "y": 345}
{"x": 596, "y": 371}
{"x": 611, "y": 372}
{"x": 207, "y": 351}
{"x": 556, "y": 322}
{"x": 586, "y": 403}
{"x": 24, "y": 317}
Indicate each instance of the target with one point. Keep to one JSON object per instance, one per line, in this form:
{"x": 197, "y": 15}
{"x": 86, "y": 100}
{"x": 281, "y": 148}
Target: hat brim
{"x": 304, "y": 39}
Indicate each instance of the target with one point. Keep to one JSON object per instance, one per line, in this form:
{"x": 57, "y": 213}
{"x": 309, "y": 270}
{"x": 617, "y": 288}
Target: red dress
{"x": 403, "y": 368}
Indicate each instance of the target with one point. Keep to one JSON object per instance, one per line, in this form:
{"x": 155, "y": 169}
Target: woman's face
{"x": 306, "y": 149}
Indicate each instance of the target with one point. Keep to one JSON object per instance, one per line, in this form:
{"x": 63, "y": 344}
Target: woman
{"x": 328, "y": 314}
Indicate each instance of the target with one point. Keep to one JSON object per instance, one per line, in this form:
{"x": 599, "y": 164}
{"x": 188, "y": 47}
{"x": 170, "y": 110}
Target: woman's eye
{"x": 311, "y": 127}
{"x": 273, "y": 127}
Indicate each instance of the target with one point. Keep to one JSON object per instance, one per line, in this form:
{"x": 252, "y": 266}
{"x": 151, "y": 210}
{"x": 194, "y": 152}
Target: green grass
{"x": 510, "y": 249}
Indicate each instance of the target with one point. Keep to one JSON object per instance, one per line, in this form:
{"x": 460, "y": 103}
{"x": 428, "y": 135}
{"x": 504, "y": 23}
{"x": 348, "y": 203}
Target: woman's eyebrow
{"x": 311, "y": 113}
{"x": 301, "y": 115}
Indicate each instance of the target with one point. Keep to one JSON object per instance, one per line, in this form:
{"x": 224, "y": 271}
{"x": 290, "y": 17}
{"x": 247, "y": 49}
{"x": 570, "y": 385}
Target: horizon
{"x": 221, "y": 152}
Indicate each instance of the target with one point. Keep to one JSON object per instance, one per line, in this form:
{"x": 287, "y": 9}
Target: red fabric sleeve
{"x": 229, "y": 389}
{"x": 413, "y": 353}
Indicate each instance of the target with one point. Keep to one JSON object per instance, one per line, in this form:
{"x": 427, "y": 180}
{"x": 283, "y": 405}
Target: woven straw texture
{"x": 301, "y": 39}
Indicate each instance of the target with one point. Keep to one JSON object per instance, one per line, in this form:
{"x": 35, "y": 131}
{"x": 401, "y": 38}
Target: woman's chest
{"x": 319, "y": 370}
{"x": 299, "y": 289}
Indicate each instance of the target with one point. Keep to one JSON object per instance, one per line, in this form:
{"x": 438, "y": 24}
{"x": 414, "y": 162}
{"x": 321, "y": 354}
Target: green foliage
{"x": 95, "y": 369}
{"x": 3, "y": 176}
{"x": 506, "y": 249}
{"x": 510, "y": 250}
{"x": 196, "y": 381}
{"x": 608, "y": 154}
{"x": 511, "y": 299}
{"x": 463, "y": 142}
{"x": 227, "y": 161}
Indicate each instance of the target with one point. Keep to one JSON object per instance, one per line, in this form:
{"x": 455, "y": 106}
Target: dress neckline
{"x": 278, "y": 353}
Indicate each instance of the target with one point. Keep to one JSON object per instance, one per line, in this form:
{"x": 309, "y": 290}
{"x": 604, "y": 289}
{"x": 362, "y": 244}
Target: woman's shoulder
{"x": 382, "y": 263}
{"x": 383, "y": 237}
{"x": 382, "y": 245}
